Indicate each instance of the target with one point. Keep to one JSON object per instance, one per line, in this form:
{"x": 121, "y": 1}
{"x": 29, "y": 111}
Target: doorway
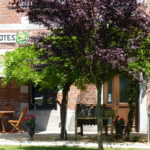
{"x": 116, "y": 95}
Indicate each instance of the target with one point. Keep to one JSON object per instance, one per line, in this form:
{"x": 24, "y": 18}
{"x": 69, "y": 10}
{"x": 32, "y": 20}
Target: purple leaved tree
{"x": 107, "y": 32}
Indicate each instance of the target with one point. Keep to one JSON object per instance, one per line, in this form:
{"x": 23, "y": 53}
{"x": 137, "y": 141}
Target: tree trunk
{"x": 130, "y": 122}
{"x": 99, "y": 110}
{"x": 99, "y": 118}
{"x": 63, "y": 111}
{"x": 133, "y": 98}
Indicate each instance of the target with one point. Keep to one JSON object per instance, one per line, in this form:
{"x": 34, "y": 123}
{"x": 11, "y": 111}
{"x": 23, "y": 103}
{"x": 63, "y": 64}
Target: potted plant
{"x": 29, "y": 121}
{"x": 119, "y": 124}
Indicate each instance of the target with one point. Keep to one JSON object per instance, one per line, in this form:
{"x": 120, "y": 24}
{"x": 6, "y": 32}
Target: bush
{"x": 135, "y": 139}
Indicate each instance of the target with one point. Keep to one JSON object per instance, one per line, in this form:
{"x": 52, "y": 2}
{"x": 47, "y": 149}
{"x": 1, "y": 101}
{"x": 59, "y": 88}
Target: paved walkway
{"x": 45, "y": 139}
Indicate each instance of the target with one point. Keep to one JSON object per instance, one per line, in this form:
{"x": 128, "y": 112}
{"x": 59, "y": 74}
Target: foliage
{"x": 56, "y": 60}
{"x": 53, "y": 69}
{"x": 26, "y": 65}
{"x": 135, "y": 139}
{"x": 18, "y": 65}
{"x": 119, "y": 124}
{"x": 30, "y": 121}
{"x": 108, "y": 32}
{"x": 142, "y": 61}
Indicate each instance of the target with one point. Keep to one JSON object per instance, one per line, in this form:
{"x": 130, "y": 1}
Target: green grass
{"x": 53, "y": 148}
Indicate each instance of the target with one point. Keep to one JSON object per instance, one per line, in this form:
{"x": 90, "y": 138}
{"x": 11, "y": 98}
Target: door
{"x": 116, "y": 95}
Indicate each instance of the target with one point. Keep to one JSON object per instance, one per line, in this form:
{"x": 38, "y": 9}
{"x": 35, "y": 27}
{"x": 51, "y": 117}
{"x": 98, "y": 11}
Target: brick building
{"x": 113, "y": 94}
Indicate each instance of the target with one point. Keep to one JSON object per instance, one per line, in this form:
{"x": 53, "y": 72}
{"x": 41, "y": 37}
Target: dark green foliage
{"x": 119, "y": 127}
{"x": 135, "y": 139}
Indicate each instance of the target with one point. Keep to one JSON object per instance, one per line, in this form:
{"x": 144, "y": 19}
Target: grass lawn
{"x": 54, "y": 148}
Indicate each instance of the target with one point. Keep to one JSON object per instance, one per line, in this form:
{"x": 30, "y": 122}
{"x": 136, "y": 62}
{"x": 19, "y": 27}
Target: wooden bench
{"x": 86, "y": 115}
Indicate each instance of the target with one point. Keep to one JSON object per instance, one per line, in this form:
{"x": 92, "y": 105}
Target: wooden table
{"x": 2, "y": 114}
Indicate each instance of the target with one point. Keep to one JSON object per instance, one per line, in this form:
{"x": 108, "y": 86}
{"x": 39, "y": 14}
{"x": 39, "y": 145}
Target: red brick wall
{"x": 10, "y": 16}
{"x": 11, "y": 95}
{"x": 87, "y": 96}
{"x": 6, "y": 14}
{"x": 76, "y": 96}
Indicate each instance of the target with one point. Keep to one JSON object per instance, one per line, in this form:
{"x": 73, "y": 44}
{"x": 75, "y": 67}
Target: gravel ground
{"x": 88, "y": 140}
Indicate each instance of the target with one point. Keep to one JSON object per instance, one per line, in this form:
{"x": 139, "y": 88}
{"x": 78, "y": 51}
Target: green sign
{"x": 22, "y": 37}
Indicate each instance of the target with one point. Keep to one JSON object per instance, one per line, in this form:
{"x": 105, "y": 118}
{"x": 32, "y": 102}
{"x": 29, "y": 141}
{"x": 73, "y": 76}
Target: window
{"x": 43, "y": 99}
{"x": 124, "y": 89}
{"x": 109, "y": 99}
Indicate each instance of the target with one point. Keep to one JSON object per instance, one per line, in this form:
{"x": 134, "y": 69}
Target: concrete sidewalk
{"x": 44, "y": 139}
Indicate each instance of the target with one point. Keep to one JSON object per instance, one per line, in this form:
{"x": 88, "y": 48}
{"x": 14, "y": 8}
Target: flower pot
{"x": 31, "y": 131}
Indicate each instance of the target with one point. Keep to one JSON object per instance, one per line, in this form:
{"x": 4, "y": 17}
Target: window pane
{"x": 43, "y": 99}
{"x": 109, "y": 100}
{"x": 124, "y": 89}
{"x": 38, "y": 97}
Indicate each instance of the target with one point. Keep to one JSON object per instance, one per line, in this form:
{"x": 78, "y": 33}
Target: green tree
{"x": 57, "y": 70}
{"x": 140, "y": 65}
{"x": 18, "y": 66}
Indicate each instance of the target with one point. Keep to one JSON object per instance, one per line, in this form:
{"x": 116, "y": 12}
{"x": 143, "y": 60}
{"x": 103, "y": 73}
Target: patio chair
{"x": 17, "y": 123}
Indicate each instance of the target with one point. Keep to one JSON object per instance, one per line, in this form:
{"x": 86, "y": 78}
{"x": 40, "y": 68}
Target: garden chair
{"x": 17, "y": 123}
